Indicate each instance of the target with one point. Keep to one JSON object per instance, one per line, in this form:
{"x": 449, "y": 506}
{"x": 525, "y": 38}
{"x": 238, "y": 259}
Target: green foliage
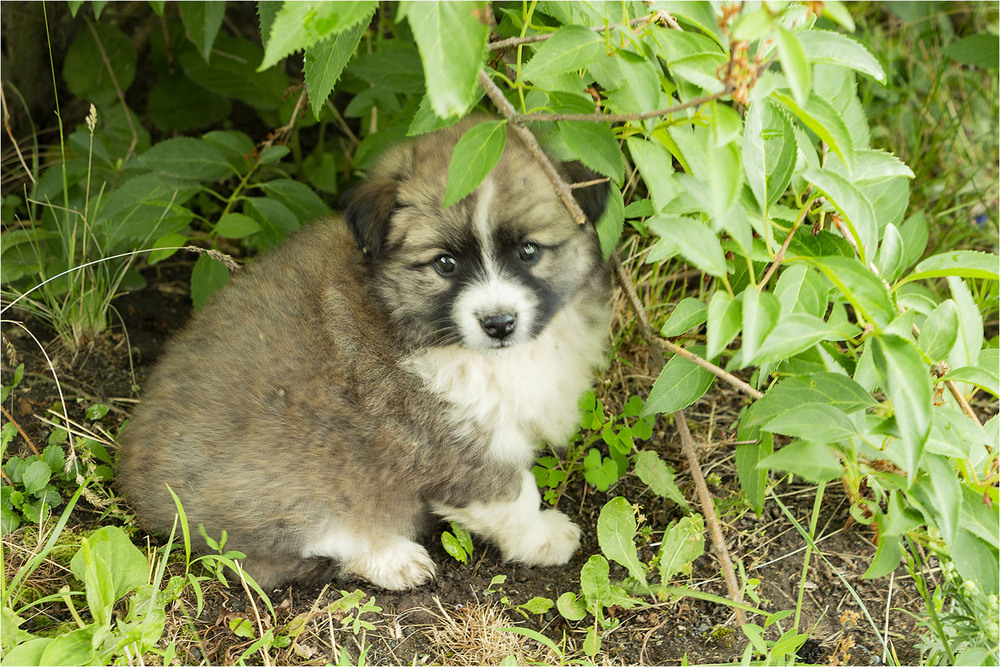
{"x": 458, "y": 542}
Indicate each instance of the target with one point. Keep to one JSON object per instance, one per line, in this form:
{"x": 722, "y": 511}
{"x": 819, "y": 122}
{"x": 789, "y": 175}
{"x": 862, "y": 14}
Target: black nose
{"x": 499, "y": 326}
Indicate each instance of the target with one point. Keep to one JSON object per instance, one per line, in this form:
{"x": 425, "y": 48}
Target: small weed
{"x": 458, "y": 542}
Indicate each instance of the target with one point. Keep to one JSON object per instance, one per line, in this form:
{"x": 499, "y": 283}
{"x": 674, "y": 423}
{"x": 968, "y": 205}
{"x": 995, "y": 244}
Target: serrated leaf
{"x": 793, "y": 61}
{"x": 906, "y": 380}
{"x": 616, "y": 529}
{"x": 84, "y": 68}
{"x": 595, "y": 145}
{"x": 656, "y": 166}
{"x": 452, "y": 38}
{"x": 203, "y": 20}
{"x": 236, "y": 226}
{"x": 474, "y": 156}
{"x": 831, "y": 48}
{"x": 809, "y": 460}
{"x": 817, "y": 422}
{"x": 695, "y": 241}
{"x": 820, "y": 117}
{"x": 964, "y": 263}
{"x": 570, "y": 48}
{"x": 683, "y": 542}
{"x": 299, "y": 25}
{"x": 852, "y": 205}
{"x": 35, "y": 475}
{"x": 761, "y": 313}
{"x": 795, "y": 333}
{"x": 940, "y": 331}
{"x": 890, "y": 254}
{"x": 689, "y": 313}
{"x": 611, "y": 224}
{"x": 659, "y": 477}
{"x": 769, "y": 151}
{"x": 324, "y": 62}
{"x": 679, "y": 384}
{"x": 188, "y": 158}
{"x": 862, "y": 288}
{"x": 724, "y": 321}
{"x": 979, "y": 50}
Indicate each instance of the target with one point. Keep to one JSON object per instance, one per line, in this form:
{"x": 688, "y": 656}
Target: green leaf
{"x": 900, "y": 519}
{"x": 233, "y": 73}
{"x": 207, "y": 278}
{"x": 452, "y": 38}
{"x": 769, "y": 151}
{"x": 126, "y": 564}
{"x": 695, "y": 241}
{"x": 890, "y": 254}
{"x": 395, "y": 67}
{"x": 680, "y": 384}
{"x": 616, "y": 529}
{"x": 906, "y": 380}
{"x": 753, "y": 478}
{"x": 793, "y": 61}
{"x": 474, "y": 156}
{"x": 203, "y": 20}
{"x": 811, "y": 461}
{"x": 683, "y": 541}
{"x": 761, "y": 312}
{"x": 795, "y": 333}
{"x": 176, "y": 103}
{"x": 571, "y": 607}
{"x": 595, "y": 145}
{"x": 85, "y": 72}
{"x": 831, "y": 48}
{"x": 299, "y": 25}
{"x": 985, "y": 379}
{"x": 537, "y": 605}
{"x": 236, "y": 226}
{"x": 852, "y": 205}
{"x": 97, "y": 411}
{"x": 324, "y": 62}
{"x": 72, "y": 648}
{"x": 940, "y": 492}
{"x": 297, "y": 197}
{"x": 863, "y": 289}
{"x": 724, "y": 321}
{"x": 659, "y": 477}
{"x": 689, "y": 313}
{"x": 965, "y": 263}
{"x": 656, "y": 166}
{"x": 186, "y": 157}
{"x": 453, "y": 547}
{"x": 980, "y": 50}
{"x": 940, "y": 331}
{"x": 54, "y": 458}
{"x": 820, "y": 117}
{"x": 817, "y": 422}
{"x": 611, "y": 224}
{"x": 165, "y": 246}
{"x": 570, "y": 48}
{"x": 35, "y": 475}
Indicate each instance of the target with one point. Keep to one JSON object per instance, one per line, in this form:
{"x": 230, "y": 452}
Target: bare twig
{"x": 960, "y": 398}
{"x": 711, "y": 521}
{"x": 531, "y": 143}
{"x": 651, "y": 336}
{"x": 618, "y": 117}
{"x": 20, "y": 430}
{"x": 784, "y": 246}
{"x": 118, "y": 91}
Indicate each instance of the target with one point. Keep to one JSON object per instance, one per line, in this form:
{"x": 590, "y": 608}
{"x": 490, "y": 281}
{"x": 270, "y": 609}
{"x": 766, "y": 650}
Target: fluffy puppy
{"x": 400, "y": 360}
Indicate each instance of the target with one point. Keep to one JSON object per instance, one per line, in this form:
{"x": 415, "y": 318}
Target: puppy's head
{"x": 488, "y": 272}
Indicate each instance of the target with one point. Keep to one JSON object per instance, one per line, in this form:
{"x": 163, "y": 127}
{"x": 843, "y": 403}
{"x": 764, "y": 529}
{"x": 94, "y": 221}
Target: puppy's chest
{"x": 513, "y": 400}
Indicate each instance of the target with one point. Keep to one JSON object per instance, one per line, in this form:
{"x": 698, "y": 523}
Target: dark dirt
{"x": 454, "y": 619}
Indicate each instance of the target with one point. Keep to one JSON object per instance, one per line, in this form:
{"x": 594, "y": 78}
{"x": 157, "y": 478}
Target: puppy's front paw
{"x": 395, "y": 567}
{"x": 552, "y": 540}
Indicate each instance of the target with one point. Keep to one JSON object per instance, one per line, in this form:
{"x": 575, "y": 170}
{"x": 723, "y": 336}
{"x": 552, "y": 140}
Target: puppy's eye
{"x": 528, "y": 252}
{"x": 445, "y": 264}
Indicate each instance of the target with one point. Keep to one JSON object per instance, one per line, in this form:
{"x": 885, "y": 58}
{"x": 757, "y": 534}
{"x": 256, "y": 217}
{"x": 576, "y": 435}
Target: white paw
{"x": 396, "y": 566}
{"x": 551, "y": 540}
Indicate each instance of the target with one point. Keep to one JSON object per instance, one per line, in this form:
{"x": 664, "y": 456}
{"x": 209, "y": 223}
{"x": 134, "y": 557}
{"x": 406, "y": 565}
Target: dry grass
{"x": 471, "y": 635}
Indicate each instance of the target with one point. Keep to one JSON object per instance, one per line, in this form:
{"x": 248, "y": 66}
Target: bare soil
{"x": 456, "y": 619}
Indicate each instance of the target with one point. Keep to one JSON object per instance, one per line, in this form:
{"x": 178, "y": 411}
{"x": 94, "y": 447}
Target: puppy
{"x": 401, "y": 360}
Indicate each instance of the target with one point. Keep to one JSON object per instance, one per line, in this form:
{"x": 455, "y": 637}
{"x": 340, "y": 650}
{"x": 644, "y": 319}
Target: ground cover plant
{"x": 793, "y": 453}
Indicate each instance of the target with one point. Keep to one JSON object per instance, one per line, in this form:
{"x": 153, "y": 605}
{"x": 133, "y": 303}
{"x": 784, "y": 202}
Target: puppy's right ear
{"x": 367, "y": 211}
{"x": 368, "y": 208}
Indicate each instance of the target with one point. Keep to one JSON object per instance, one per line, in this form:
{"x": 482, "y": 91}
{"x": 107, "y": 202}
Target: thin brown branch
{"x": 962, "y": 402}
{"x": 118, "y": 91}
{"x": 708, "y": 509}
{"x": 784, "y": 247}
{"x": 617, "y": 117}
{"x": 508, "y": 111}
{"x": 20, "y": 430}
{"x": 649, "y": 333}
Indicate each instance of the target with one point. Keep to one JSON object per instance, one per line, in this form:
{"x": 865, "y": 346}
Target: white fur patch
{"x": 523, "y": 394}
{"x": 523, "y": 532}
{"x": 392, "y": 561}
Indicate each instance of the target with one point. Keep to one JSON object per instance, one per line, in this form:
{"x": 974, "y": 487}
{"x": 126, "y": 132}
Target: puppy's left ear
{"x": 367, "y": 210}
{"x": 591, "y": 198}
